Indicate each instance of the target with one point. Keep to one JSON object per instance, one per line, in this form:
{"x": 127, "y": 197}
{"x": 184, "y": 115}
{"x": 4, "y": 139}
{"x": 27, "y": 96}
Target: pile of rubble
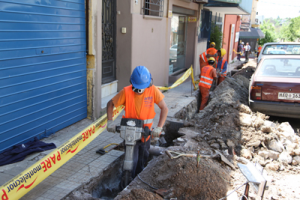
{"x": 180, "y": 178}
{"x": 229, "y": 125}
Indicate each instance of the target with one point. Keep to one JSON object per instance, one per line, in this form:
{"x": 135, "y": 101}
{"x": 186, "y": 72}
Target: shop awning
{"x": 254, "y": 33}
{"x": 233, "y": 7}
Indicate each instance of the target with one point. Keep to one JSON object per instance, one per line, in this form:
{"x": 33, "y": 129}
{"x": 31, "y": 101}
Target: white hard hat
{"x": 242, "y": 42}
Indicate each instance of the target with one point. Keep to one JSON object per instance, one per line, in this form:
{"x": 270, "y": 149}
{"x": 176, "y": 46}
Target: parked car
{"x": 278, "y": 48}
{"x": 296, "y": 50}
{"x": 274, "y": 88}
{"x": 276, "y": 51}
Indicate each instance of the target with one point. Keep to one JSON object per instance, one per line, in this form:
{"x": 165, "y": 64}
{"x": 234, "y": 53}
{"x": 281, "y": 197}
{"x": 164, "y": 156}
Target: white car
{"x": 278, "y": 48}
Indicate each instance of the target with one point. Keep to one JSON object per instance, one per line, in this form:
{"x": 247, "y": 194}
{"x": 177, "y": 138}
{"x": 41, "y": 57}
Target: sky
{"x": 281, "y": 8}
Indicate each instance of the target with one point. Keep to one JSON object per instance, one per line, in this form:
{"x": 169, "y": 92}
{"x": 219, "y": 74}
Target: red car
{"x": 275, "y": 86}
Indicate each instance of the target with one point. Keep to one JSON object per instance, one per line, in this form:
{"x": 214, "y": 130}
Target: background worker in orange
{"x": 203, "y": 60}
{"x": 208, "y": 75}
{"x": 259, "y": 50}
{"x": 221, "y": 66}
{"x": 212, "y": 51}
{"x": 139, "y": 99}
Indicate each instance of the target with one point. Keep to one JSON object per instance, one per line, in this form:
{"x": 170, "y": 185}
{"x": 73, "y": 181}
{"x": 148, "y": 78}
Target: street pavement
{"x": 87, "y": 164}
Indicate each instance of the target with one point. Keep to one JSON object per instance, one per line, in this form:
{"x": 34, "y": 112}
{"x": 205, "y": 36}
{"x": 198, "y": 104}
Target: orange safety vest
{"x": 206, "y": 80}
{"x": 222, "y": 66}
{"x": 211, "y": 48}
{"x": 147, "y": 111}
{"x": 203, "y": 56}
{"x": 259, "y": 49}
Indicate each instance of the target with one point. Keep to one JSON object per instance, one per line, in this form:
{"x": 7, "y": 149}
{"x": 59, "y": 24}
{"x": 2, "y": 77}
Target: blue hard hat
{"x": 140, "y": 77}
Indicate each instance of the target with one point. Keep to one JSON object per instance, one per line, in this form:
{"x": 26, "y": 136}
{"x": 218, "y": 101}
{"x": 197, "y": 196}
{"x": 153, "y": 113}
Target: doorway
{"x": 178, "y": 43}
{"x": 108, "y": 41}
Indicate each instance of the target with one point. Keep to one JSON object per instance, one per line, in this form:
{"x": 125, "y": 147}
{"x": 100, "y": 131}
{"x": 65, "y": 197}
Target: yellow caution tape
{"x": 237, "y": 52}
{"x": 32, "y": 176}
{"x": 189, "y": 72}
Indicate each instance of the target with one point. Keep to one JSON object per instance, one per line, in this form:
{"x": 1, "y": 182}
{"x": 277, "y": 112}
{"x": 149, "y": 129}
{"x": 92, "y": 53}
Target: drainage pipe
{"x": 156, "y": 151}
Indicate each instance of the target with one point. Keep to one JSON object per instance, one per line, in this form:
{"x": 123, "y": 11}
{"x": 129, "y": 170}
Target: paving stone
{"x": 81, "y": 176}
{"x": 15, "y": 170}
{"x": 37, "y": 191}
{"x": 68, "y": 185}
{"x": 99, "y": 163}
{"x": 73, "y": 165}
{"x": 5, "y": 178}
{"x": 63, "y": 173}
{"x": 115, "y": 153}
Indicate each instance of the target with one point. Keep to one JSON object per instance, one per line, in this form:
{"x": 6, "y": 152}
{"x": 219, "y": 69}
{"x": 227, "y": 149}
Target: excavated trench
{"x": 183, "y": 177}
{"x": 107, "y": 185}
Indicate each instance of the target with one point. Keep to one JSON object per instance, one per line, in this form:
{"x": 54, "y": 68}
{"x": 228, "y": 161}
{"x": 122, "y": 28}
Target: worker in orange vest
{"x": 259, "y": 50}
{"x": 221, "y": 66}
{"x": 208, "y": 75}
{"x": 212, "y": 52}
{"x": 138, "y": 99}
{"x": 203, "y": 60}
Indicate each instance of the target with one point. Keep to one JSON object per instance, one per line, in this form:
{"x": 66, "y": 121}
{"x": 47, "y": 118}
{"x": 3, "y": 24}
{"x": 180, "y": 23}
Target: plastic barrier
{"x": 189, "y": 72}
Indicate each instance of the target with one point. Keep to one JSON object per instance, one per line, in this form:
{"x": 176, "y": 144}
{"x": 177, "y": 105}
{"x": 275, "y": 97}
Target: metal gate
{"x": 42, "y": 68}
{"x": 108, "y": 41}
{"x": 205, "y": 29}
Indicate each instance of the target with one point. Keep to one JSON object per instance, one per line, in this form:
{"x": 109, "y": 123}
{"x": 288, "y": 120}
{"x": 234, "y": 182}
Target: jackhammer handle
{"x": 168, "y": 154}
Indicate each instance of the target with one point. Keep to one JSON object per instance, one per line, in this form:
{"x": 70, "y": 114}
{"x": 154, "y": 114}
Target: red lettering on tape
{"x": 53, "y": 158}
{"x": 72, "y": 150}
{"x": 83, "y": 135}
{"x": 44, "y": 166}
{"x": 28, "y": 186}
{"x": 48, "y": 162}
{"x": 4, "y": 195}
{"x": 58, "y": 156}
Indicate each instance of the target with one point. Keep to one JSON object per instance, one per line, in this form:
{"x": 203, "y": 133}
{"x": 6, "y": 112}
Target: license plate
{"x": 288, "y": 96}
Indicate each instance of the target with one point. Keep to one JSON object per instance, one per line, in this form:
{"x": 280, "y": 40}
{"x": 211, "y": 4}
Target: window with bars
{"x": 153, "y": 8}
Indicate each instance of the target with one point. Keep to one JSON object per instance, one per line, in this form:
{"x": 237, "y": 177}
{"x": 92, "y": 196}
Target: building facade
{"x": 230, "y": 11}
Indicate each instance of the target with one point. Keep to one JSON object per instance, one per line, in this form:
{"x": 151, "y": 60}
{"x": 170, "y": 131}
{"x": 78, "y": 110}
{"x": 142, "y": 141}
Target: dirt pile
{"x": 228, "y": 123}
{"x": 141, "y": 194}
{"x": 246, "y": 72}
{"x": 182, "y": 178}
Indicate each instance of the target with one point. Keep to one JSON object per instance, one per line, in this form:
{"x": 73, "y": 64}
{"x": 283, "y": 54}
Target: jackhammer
{"x": 131, "y": 130}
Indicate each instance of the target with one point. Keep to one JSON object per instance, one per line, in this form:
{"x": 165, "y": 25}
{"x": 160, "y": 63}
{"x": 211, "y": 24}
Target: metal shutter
{"x": 42, "y": 68}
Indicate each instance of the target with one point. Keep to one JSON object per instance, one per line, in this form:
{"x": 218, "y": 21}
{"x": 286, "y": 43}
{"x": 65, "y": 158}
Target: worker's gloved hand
{"x": 110, "y": 127}
{"x": 156, "y": 132}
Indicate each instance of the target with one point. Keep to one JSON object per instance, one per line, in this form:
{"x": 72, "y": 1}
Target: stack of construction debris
{"x": 228, "y": 123}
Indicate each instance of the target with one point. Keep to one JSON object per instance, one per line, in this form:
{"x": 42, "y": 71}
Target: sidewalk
{"x": 86, "y": 164}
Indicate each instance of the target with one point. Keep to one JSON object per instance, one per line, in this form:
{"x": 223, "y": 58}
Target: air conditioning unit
{"x": 189, "y": 1}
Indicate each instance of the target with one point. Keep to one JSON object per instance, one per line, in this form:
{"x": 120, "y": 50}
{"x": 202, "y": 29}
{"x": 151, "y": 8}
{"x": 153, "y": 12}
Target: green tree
{"x": 268, "y": 38}
{"x": 291, "y": 30}
{"x": 294, "y": 28}
{"x": 269, "y": 30}
{"x": 284, "y": 32}
{"x": 216, "y": 36}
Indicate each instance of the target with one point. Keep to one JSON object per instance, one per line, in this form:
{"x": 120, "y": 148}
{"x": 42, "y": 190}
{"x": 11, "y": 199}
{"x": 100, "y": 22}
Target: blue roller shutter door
{"x": 42, "y": 68}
